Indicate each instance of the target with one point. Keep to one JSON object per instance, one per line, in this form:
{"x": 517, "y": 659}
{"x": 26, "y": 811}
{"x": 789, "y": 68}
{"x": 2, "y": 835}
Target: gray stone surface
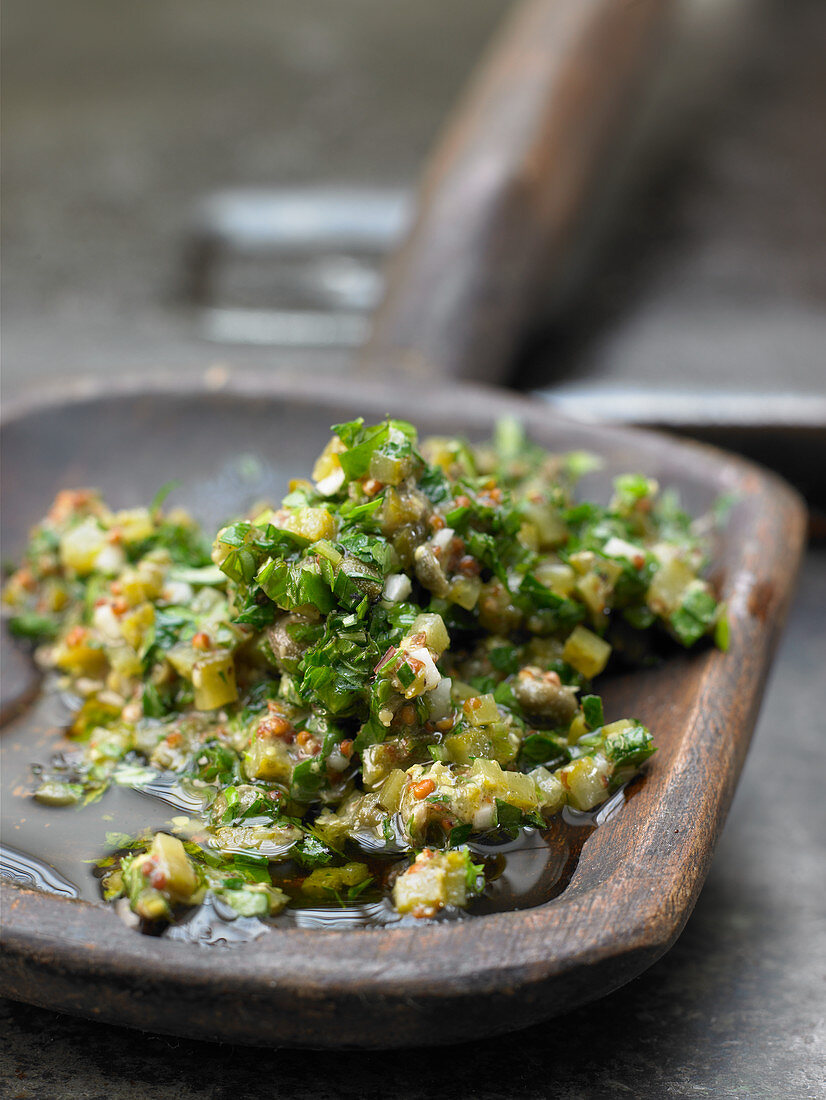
{"x": 118, "y": 117}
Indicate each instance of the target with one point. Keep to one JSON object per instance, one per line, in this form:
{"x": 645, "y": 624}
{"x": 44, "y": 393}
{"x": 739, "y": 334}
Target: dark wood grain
{"x": 504, "y": 192}
{"x": 638, "y": 876}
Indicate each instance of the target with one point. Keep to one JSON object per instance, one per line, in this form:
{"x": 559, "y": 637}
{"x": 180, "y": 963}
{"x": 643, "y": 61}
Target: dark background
{"x": 710, "y": 275}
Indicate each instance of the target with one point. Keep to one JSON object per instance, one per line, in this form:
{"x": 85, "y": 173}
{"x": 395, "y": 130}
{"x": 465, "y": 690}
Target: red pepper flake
{"x": 77, "y": 636}
{"x": 389, "y": 655}
{"x": 25, "y": 579}
{"x": 415, "y": 665}
{"x": 68, "y": 501}
{"x": 422, "y": 789}
{"x": 469, "y": 566}
{"x": 153, "y": 874}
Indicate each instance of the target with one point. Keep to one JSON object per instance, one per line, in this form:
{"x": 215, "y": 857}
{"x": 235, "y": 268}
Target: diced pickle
{"x": 586, "y": 781}
{"x": 328, "y": 461}
{"x": 391, "y": 790}
{"x": 378, "y": 761}
{"x": 465, "y": 592}
{"x": 549, "y": 529}
{"x": 59, "y": 794}
{"x": 133, "y": 524}
{"x": 108, "y": 744}
{"x": 143, "y": 583}
{"x": 327, "y": 881}
{"x": 434, "y": 630}
{"x": 432, "y": 882}
{"x": 586, "y": 652}
{"x": 82, "y": 657}
{"x": 161, "y": 878}
{"x": 311, "y": 523}
{"x": 168, "y": 852}
{"x": 136, "y": 624}
{"x": 183, "y": 658}
{"x": 552, "y": 793}
{"x": 668, "y": 586}
{"x": 515, "y": 788}
{"x": 389, "y": 469}
{"x": 270, "y": 760}
{"x": 81, "y": 545}
{"x": 481, "y": 710}
{"x": 495, "y": 741}
{"x": 256, "y": 900}
{"x": 557, "y": 576}
{"x": 213, "y": 678}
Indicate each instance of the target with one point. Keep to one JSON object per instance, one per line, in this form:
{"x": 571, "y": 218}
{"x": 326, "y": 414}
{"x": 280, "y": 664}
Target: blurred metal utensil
{"x": 296, "y": 267}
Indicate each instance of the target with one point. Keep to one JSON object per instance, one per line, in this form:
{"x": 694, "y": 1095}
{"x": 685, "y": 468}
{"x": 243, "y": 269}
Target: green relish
{"x": 354, "y": 687}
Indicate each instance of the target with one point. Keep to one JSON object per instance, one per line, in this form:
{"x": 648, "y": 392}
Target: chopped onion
{"x": 432, "y": 676}
{"x": 107, "y": 623}
{"x": 442, "y": 538}
{"x": 110, "y": 560}
{"x": 331, "y": 483}
{"x": 179, "y": 592}
{"x": 397, "y": 588}
{"x": 337, "y": 760}
{"x": 619, "y": 548}
{"x": 483, "y": 818}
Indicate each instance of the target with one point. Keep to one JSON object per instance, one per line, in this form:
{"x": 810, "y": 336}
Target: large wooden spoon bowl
{"x": 638, "y": 876}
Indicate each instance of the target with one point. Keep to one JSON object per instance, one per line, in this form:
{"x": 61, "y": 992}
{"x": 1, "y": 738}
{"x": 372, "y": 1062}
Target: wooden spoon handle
{"x": 504, "y": 191}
